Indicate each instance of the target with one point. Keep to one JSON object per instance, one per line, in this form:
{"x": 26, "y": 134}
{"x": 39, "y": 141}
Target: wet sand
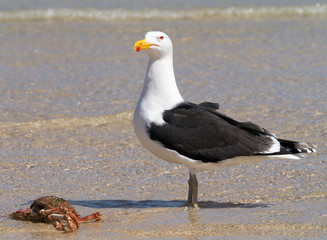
{"x": 67, "y": 105}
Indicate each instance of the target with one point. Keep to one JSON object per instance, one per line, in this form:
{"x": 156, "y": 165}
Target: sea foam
{"x": 317, "y": 10}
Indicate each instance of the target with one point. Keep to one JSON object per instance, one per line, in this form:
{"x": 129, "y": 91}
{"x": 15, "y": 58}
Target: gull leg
{"x": 193, "y": 190}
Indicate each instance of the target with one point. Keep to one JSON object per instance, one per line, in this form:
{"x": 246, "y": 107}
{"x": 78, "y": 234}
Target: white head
{"x": 157, "y": 45}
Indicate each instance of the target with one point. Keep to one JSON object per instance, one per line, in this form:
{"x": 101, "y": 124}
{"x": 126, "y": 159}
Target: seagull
{"x": 195, "y": 135}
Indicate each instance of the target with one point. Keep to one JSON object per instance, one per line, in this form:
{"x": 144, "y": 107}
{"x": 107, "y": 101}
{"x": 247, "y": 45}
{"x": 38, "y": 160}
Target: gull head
{"x": 156, "y": 44}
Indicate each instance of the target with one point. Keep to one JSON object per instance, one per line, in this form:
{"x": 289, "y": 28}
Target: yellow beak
{"x": 142, "y": 44}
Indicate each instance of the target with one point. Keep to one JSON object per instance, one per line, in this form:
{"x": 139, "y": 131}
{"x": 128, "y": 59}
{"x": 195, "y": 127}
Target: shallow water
{"x": 67, "y": 92}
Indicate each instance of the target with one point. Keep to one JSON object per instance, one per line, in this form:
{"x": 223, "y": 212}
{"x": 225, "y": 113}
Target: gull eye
{"x": 161, "y": 38}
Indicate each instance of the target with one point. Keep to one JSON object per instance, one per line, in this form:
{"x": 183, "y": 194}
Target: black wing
{"x": 199, "y": 132}
{"x": 210, "y": 105}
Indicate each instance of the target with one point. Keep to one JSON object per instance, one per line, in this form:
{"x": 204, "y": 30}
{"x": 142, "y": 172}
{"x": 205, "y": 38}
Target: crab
{"x": 55, "y": 210}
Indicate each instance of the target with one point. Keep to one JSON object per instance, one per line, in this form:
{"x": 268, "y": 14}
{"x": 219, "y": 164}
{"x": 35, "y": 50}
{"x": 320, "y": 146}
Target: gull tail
{"x": 297, "y": 147}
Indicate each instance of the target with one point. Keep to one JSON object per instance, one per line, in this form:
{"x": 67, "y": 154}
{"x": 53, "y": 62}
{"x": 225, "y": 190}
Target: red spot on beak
{"x": 138, "y": 49}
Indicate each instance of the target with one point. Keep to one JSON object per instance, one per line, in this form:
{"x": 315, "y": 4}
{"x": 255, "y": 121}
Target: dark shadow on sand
{"x": 159, "y": 204}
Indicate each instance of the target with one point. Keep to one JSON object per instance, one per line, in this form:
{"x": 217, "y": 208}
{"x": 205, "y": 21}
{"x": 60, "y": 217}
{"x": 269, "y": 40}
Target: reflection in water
{"x": 194, "y": 220}
{"x": 193, "y": 215}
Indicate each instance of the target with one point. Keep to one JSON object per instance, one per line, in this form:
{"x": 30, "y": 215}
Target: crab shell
{"x": 43, "y": 203}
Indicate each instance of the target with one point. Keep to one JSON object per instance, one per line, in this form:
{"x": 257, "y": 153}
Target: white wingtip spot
{"x": 275, "y": 147}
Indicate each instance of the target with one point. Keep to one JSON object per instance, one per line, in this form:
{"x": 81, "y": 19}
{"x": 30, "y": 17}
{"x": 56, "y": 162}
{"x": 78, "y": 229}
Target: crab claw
{"x": 58, "y": 225}
{"x": 71, "y": 221}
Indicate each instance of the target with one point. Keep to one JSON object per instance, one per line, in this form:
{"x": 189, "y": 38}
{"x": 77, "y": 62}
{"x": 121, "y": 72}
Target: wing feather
{"x": 199, "y": 132}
